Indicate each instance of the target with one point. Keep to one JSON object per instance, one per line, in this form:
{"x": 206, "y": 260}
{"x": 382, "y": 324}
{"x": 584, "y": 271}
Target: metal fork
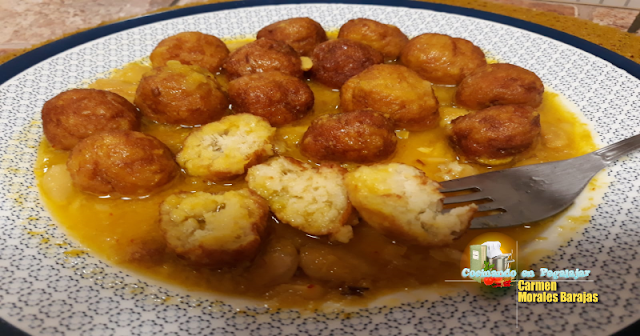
{"x": 531, "y": 193}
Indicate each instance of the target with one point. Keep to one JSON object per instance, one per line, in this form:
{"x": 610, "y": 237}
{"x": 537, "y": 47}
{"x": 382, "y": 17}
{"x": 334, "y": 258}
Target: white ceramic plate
{"x": 45, "y": 292}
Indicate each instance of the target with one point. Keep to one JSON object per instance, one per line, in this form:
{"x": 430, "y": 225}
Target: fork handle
{"x": 615, "y": 151}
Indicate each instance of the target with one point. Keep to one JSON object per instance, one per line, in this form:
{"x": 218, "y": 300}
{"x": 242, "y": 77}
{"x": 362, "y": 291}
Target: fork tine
{"x": 466, "y": 198}
{"x": 460, "y": 184}
{"x": 488, "y": 206}
{"x": 493, "y": 221}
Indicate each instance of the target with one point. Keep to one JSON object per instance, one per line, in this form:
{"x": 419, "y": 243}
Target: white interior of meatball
{"x": 216, "y": 221}
{"x": 311, "y": 199}
{"x": 226, "y": 146}
{"x": 405, "y": 194}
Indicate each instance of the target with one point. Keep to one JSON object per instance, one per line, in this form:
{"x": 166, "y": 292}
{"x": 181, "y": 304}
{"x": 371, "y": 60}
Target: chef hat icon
{"x": 493, "y": 248}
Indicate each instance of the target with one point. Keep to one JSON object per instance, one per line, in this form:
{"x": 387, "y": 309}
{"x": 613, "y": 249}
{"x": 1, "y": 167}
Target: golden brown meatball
{"x": 499, "y": 84}
{"x": 335, "y": 61}
{"x": 496, "y": 133}
{"x": 302, "y": 34}
{"x": 442, "y": 59}
{"x": 263, "y": 55}
{"x": 123, "y": 163}
{"x": 275, "y": 96}
{"x": 76, "y": 114}
{"x": 396, "y": 91}
{"x": 360, "y": 136}
{"x": 215, "y": 230}
{"x": 385, "y": 38}
{"x": 191, "y": 48}
{"x": 179, "y": 94}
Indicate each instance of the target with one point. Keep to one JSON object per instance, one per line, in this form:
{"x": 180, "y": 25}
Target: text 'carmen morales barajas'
{"x": 539, "y": 291}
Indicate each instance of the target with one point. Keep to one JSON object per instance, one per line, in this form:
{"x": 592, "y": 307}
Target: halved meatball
{"x": 499, "y": 84}
{"x": 214, "y": 230}
{"x": 302, "y": 34}
{"x": 403, "y": 204}
{"x": 442, "y": 59}
{"x": 177, "y": 94}
{"x": 277, "y": 97}
{"x": 79, "y": 113}
{"x": 335, "y": 61}
{"x": 312, "y": 199}
{"x": 121, "y": 163}
{"x": 395, "y": 90}
{"x": 360, "y": 136}
{"x": 224, "y": 149}
{"x": 494, "y": 135}
{"x": 191, "y": 48}
{"x": 263, "y": 55}
{"x": 385, "y": 38}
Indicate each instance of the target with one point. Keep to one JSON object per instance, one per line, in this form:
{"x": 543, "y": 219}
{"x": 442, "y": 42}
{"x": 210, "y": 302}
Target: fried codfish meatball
{"x": 191, "y": 48}
{"x": 395, "y": 90}
{"x": 494, "y": 135}
{"x": 335, "y": 61}
{"x": 403, "y": 204}
{"x": 309, "y": 198}
{"x": 224, "y": 149}
{"x": 385, "y": 38}
{"x": 263, "y": 55}
{"x": 179, "y": 94}
{"x": 302, "y": 34}
{"x": 214, "y": 230}
{"x": 360, "y": 136}
{"x": 499, "y": 84}
{"x": 79, "y": 113}
{"x": 124, "y": 163}
{"x": 277, "y": 97}
{"x": 442, "y": 59}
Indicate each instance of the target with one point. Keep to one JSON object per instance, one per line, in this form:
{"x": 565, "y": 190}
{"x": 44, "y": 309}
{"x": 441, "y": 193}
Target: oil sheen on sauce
{"x": 126, "y": 232}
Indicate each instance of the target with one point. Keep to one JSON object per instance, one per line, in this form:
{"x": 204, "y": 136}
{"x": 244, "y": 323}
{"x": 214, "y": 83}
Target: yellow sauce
{"x": 125, "y": 231}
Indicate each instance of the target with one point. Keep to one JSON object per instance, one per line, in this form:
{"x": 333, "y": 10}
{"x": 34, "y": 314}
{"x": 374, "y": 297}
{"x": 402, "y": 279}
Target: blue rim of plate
{"x": 23, "y": 62}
